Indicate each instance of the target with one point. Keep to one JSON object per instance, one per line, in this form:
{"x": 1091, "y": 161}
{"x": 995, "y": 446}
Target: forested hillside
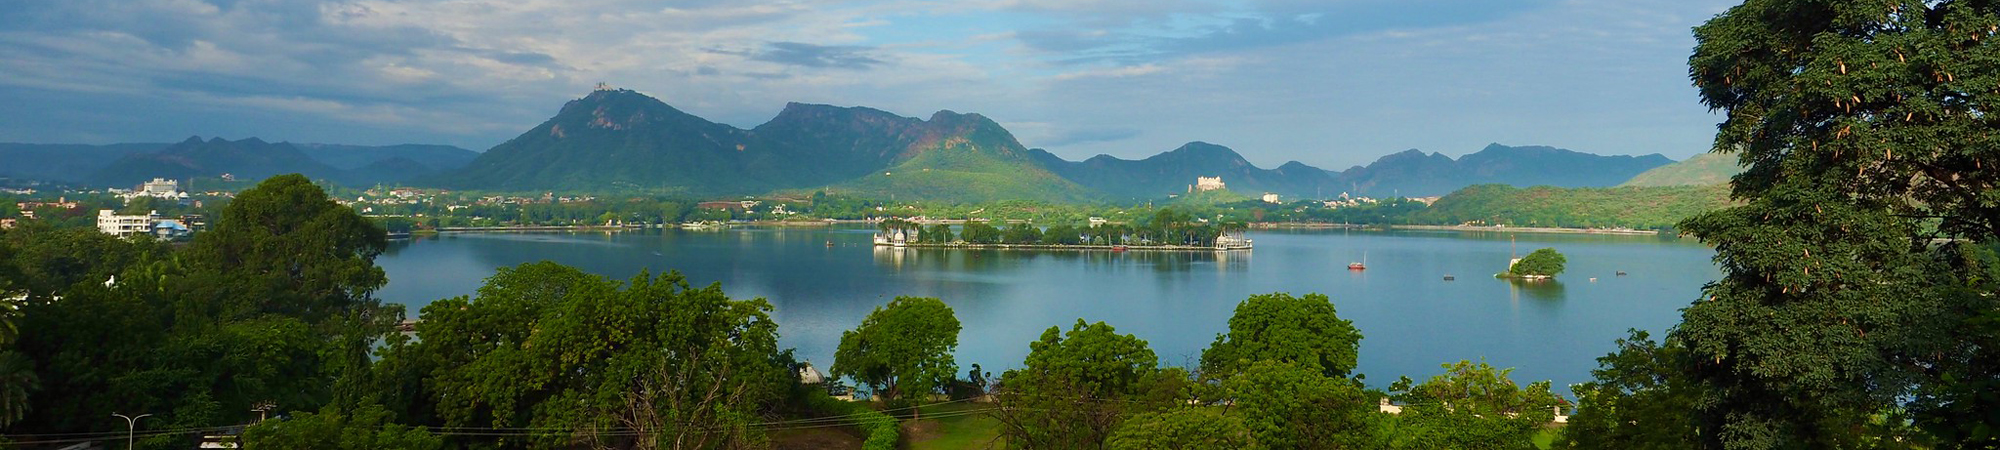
{"x": 1543, "y": 206}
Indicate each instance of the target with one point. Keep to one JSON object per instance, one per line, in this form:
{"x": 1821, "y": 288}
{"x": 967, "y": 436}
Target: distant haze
{"x": 1333, "y": 83}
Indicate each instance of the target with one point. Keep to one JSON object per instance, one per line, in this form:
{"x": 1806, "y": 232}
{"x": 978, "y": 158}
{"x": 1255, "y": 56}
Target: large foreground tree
{"x": 578, "y": 360}
{"x": 902, "y": 350}
{"x": 1857, "y": 266}
{"x": 1280, "y": 327}
{"x": 1076, "y": 387}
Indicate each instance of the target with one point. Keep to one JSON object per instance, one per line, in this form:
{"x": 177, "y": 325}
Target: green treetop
{"x": 1853, "y": 284}
{"x": 1539, "y": 263}
{"x": 1471, "y": 406}
{"x": 1280, "y": 327}
{"x": 1075, "y": 388}
{"x": 902, "y": 350}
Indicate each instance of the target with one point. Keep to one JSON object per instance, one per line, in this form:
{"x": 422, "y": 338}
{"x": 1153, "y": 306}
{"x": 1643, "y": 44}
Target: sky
{"x": 1332, "y": 83}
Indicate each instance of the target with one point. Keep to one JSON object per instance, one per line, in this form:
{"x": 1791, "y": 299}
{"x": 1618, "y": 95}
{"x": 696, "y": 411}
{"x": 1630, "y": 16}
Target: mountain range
{"x": 621, "y": 140}
{"x": 250, "y": 158}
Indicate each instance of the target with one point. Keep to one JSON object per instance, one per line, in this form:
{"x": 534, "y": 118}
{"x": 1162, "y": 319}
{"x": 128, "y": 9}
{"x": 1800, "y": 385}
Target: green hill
{"x": 1544, "y": 206}
{"x": 971, "y": 159}
{"x": 1700, "y": 170}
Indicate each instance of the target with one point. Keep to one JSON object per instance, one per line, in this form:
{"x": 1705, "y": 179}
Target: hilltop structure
{"x": 160, "y": 188}
{"x": 1205, "y": 184}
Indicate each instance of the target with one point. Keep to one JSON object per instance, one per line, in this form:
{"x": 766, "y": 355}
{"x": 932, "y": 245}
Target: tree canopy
{"x": 1280, "y": 327}
{"x": 1182, "y": 428}
{"x": 547, "y": 346}
{"x": 1076, "y": 387}
{"x": 1471, "y": 406}
{"x": 1544, "y": 262}
{"x": 1854, "y": 268}
{"x": 902, "y": 349}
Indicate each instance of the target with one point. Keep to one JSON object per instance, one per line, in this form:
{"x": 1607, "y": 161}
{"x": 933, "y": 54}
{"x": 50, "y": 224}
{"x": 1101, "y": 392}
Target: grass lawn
{"x": 957, "y": 427}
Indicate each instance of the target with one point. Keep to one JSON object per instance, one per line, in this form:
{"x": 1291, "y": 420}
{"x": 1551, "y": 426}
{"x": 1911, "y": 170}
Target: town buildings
{"x": 127, "y": 225}
{"x": 158, "y": 188}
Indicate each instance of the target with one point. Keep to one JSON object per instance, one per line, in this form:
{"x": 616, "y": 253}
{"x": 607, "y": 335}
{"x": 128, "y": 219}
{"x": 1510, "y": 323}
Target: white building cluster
{"x": 123, "y": 225}
{"x": 160, "y": 188}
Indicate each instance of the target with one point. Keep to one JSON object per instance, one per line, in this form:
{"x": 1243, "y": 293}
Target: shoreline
{"x": 506, "y": 229}
{"x": 1108, "y": 248}
{"x": 1541, "y": 230}
{"x": 1262, "y": 226}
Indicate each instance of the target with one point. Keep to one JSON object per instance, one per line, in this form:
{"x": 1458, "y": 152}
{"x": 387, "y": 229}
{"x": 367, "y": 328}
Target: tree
{"x": 1640, "y": 400}
{"x": 1851, "y": 288}
{"x": 1539, "y": 263}
{"x": 1470, "y": 406}
{"x": 17, "y": 380}
{"x": 1182, "y": 428}
{"x": 1075, "y": 388}
{"x": 1291, "y": 405}
{"x": 979, "y": 232}
{"x": 1062, "y": 235}
{"x": 1280, "y": 327}
{"x": 284, "y": 247}
{"x": 937, "y": 234}
{"x": 672, "y": 365}
{"x": 1022, "y": 233}
{"x": 365, "y": 428}
{"x": 272, "y": 305}
{"x": 902, "y": 349}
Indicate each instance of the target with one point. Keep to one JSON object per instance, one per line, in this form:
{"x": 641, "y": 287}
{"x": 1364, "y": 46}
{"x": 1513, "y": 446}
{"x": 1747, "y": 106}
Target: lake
{"x": 1411, "y": 319}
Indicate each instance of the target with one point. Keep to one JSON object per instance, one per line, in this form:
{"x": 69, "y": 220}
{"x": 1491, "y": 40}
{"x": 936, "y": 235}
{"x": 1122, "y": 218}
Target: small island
{"x": 1539, "y": 265}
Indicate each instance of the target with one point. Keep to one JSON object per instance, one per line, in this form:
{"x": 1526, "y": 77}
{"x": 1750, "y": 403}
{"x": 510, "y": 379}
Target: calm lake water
{"x": 1411, "y": 319}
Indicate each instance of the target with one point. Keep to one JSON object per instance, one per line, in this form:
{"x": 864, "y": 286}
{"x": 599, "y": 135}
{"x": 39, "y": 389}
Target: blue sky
{"x": 1332, "y": 83}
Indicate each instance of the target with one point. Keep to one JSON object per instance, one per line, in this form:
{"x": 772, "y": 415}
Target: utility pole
{"x": 131, "y": 424}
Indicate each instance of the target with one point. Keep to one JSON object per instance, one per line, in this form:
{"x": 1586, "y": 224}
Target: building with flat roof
{"x": 112, "y": 223}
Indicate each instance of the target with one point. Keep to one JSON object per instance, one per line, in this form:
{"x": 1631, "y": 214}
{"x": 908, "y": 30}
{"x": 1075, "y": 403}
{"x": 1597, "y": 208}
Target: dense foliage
{"x": 1076, "y": 387}
{"x": 272, "y": 306}
{"x": 902, "y": 350}
{"x": 1542, "y": 206}
{"x": 1857, "y": 296}
{"x": 1279, "y": 327}
{"x": 368, "y": 428}
{"x": 673, "y": 366}
{"x": 1189, "y": 428}
{"x": 1545, "y": 262}
{"x": 1471, "y": 406}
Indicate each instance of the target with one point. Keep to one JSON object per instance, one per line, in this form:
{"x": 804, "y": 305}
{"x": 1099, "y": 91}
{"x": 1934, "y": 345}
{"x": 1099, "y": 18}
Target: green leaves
{"x": 366, "y": 428}
{"x": 1076, "y": 387}
{"x": 902, "y": 349}
{"x": 1290, "y": 405}
{"x": 1471, "y": 406}
{"x": 1280, "y": 327}
{"x": 1865, "y": 133}
{"x": 1539, "y": 263}
{"x": 1183, "y": 428}
{"x": 548, "y": 346}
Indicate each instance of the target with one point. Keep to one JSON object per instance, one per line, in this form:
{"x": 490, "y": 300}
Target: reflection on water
{"x": 1163, "y": 262}
{"x": 1543, "y": 290}
{"x": 823, "y": 281}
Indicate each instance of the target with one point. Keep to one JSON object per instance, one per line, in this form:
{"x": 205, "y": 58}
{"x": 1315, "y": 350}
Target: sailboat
{"x": 1361, "y": 265}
